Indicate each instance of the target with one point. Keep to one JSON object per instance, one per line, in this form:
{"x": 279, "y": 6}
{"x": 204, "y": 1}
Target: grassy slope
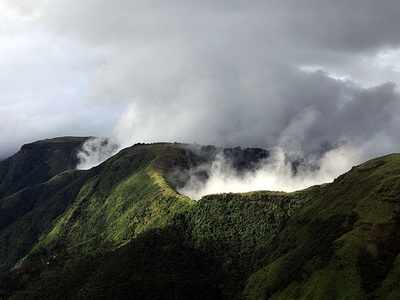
{"x": 343, "y": 245}
{"x": 25, "y": 215}
{"x": 117, "y": 201}
{"x": 83, "y": 210}
{"x": 29, "y": 200}
{"x": 204, "y": 252}
{"x": 37, "y": 162}
{"x": 125, "y": 196}
{"x": 336, "y": 241}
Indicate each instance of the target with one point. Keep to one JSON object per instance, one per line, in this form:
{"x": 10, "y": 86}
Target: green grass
{"x": 105, "y": 215}
{"x": 126, "y": 231}
{"x": 350, "y": 230}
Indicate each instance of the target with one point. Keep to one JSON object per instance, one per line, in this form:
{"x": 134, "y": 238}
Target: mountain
{"x": 107, "y": 205}
{"x": 37, "y": 162}
{"x": 121, "y": 230}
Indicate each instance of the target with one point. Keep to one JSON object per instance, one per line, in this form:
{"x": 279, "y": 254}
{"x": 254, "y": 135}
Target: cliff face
{"x": 122, "y": 230}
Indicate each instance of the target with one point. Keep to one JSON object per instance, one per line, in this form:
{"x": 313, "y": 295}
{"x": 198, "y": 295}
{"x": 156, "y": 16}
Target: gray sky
{"x": 304, "y": 74}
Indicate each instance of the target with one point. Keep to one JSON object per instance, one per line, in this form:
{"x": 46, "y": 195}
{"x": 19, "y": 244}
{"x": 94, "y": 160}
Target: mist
{"x": 95, "y": 151}
{"x": 274, "y": 174}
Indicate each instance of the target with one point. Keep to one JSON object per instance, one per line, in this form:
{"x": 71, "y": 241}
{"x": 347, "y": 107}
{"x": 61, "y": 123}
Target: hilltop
{"x": 37, "y": 162}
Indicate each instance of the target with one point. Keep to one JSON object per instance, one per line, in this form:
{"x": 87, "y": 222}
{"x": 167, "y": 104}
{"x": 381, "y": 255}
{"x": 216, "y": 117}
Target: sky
{"x": 306, "y": 75}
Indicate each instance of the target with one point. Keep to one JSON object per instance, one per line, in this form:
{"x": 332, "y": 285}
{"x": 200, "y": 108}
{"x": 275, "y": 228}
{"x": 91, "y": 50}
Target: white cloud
{"x": 275, "y": 174}
{"x": 222, "y": 73}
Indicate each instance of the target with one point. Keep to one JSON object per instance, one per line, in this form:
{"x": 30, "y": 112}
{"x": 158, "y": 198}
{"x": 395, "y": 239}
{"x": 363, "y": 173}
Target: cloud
{"x": 95, "y": 151}
{"x": 227, "y": 73}
{"x": 275, "y": 173}
{"x": 312, "y": 113}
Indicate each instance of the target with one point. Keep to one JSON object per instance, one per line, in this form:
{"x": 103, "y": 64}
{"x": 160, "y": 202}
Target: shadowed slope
{"x": 96, "y": 209}
{"x": 25, "y": 215}
{"x": 125, "y": 231}
{"x": 37, "y": 162}
{"x": 105, "y": 206}
{"x": 333, "y": 241}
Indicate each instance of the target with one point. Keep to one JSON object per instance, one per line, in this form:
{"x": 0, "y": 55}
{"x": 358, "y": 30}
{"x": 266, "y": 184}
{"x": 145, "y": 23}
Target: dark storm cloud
{"x": 355, "y": 24}
{"x": 304, "y": 74}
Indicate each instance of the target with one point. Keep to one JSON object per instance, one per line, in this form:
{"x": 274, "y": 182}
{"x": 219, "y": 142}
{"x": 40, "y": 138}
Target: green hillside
{"x": 120, "y": 199}
{"x": 36, "y": 186}
{"x": 343, "y": 245}
{"x": 121, "y": 231}
{"x": 80, "y": 210}
{"x": 37, "y": 162}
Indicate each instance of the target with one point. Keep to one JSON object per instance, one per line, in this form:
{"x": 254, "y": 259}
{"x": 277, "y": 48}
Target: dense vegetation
{"x": 122, "y": 231}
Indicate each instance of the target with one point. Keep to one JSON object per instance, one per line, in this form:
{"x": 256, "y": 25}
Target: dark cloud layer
{"x": 303, "y": 74}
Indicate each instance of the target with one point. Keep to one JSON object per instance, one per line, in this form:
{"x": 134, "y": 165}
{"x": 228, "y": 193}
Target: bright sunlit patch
{"x": 388, "y": 59}
{"x": 329, "y": 73}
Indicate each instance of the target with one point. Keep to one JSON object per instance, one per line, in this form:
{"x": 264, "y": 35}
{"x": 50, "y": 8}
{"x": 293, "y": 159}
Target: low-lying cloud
{"x": 274, "y": 174}
{"x": 95, "y": 151}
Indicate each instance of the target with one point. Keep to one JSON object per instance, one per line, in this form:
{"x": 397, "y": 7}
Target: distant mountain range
{"x": 122, "y": 230}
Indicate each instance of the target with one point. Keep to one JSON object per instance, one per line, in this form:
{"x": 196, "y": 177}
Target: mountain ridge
{"x": 121, "y": 230}
{"x": 37, "y": 162}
